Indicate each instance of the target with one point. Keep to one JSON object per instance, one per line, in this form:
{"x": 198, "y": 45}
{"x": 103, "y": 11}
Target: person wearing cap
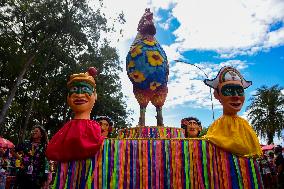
{"x": 230, "y": 131}
{"x": 192, "y": 127}
{"x": 106, "y": 125}
{"x": 80, "y": 138}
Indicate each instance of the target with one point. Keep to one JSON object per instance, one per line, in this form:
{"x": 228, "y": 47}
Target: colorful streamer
{"x": 151, "y": 132}
{"x": 159, "y": 164}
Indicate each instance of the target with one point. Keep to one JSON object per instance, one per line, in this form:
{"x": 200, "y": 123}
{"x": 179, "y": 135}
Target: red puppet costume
{"x": 80, "y": 138}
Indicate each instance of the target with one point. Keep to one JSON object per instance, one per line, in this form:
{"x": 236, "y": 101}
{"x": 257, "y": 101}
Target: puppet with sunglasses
{"x": 230, "y": 131}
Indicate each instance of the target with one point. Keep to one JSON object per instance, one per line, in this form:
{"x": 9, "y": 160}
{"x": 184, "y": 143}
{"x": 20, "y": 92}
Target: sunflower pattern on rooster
{"x": 147, "y": 65}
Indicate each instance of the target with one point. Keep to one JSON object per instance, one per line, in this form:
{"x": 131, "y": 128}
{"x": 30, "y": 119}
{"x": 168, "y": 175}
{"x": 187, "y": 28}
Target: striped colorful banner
{"x": 159, "y": 164}
{"x": 151, "y": 132}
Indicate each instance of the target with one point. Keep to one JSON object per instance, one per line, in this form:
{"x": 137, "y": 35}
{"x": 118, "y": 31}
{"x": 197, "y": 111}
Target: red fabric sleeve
{"x": 76, "y": 140}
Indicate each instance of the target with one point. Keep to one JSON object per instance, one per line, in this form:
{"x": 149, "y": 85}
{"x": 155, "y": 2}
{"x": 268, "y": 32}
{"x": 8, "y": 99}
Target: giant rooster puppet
{"x": 147, "y": 68}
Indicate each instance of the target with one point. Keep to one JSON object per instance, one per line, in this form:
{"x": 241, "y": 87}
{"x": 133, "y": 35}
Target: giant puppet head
{"x": 79, "y": 138}
{"x": 192, "y": 127}
{"x": 106, "y": 124}
{"x": 229, "y": 88}
{"x": 82, "y": 93}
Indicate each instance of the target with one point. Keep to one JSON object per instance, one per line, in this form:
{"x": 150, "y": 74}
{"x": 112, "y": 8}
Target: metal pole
{"x": 212, "y": 106}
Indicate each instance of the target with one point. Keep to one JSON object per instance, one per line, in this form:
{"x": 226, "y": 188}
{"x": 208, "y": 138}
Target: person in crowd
{"x": 231, "y": 132}
{"x": 3, "y": 168}
{"x": 192, "y": 127}
{"x": 106, "y": 125}
{"x": 33, "y": 162}
{"x": 48, "y": 170}
{"x": 272, "y": 169}
{"x": 2, "y": 152}
{"x": 266, "y": 171}
{"x": 279, "y": 163}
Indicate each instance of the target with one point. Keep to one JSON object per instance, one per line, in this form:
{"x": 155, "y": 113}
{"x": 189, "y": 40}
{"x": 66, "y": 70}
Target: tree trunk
{"x": 35, "y": 93}
{"x": 65, "y": 112}
{"x": 14, "y": 89}
{"x": 270, "y": 138}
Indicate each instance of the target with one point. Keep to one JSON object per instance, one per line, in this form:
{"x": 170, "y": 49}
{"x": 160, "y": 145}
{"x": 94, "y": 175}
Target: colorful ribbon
{"x": 159, "y": 164}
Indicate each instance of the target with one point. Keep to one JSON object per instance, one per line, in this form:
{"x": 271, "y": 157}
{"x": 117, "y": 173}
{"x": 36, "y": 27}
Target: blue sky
{"x": 248, "y": 35}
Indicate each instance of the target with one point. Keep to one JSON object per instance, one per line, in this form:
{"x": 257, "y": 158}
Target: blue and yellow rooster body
{"x": 147, "y": 68}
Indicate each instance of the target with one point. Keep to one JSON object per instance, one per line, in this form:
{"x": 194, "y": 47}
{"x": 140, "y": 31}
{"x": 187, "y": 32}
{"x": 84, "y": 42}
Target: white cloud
{"x": 162, "y": 4}
{"x": 227, "y": 26}
{"x": 252, "y": 93}
{"x": 165, "y": 25}
{"x": 172, "y": 52}
{"x": 132, "y": 15}
{"x": 276, "y": 140}
{"x": 186, "y": 85}
{"x": 275, "y": 38}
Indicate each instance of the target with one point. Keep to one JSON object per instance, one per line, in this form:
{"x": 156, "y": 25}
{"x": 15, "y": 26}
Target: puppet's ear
{"x": 216, "y": 94}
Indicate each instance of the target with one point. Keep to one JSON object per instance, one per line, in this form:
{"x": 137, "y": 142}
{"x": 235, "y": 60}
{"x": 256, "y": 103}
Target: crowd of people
{"x": 272, "y": 168}
{"x": 27, "y": 164}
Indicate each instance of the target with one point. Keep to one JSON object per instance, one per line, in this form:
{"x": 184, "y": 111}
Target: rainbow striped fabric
{"x": 159, "y": 164}
{"x": 151, "y": 132}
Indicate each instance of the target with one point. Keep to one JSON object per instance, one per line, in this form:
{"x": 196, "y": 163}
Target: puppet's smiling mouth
{"x": 80, "y": 101}
{"x": 235, "y": 104}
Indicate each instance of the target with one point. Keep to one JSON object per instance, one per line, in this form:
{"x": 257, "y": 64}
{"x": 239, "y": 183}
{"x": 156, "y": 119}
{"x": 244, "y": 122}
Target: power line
{"x": 212, "y": 106}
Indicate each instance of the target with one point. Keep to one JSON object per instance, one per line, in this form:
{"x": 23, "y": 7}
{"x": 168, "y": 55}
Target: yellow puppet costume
{"x": 235, "y": 135}
{"x": 230, "y": 131}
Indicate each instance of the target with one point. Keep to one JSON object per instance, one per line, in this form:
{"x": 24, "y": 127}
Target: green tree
{"x": 203, "y": 131}
{"x": 42, "y": 43}
{"x": 266, "y": 112}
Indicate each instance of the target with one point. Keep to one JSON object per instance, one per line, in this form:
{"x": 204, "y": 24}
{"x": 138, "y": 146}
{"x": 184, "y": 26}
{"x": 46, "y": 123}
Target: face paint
{"x": 81, "y": 88}
{"x": 232, "y": 90}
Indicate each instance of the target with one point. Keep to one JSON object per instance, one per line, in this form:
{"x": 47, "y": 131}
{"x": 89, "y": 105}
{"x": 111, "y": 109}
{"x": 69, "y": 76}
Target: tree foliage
{"x": 266, "y": 112}
{"x": 203, "y": 131}
{"x": 59, "y": 38}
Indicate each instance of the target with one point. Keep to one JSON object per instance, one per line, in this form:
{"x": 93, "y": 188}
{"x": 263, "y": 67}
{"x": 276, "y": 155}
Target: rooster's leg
{"x": 142, "y": 116}
{"x": 159, "y": 116}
